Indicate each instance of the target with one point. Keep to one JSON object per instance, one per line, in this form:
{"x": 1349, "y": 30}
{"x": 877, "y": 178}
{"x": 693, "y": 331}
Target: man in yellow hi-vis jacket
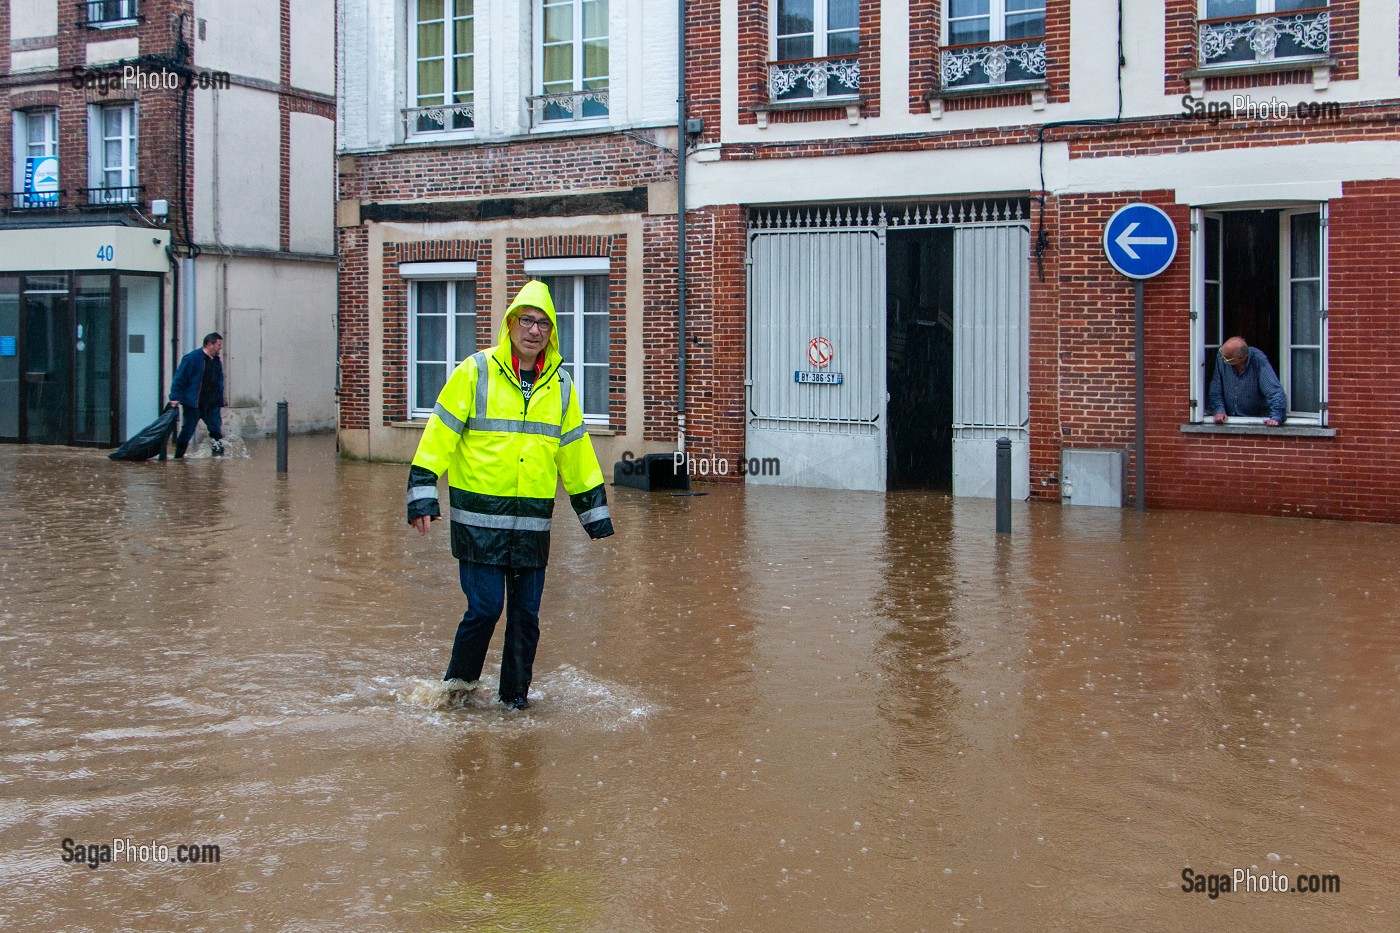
{"x": 505, "y": 428}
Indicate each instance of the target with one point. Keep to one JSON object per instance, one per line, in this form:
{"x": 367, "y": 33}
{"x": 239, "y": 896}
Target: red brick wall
{"x": 1349, "y": 476}
{"x": 353, "y": 301}
{"x": 572, "y": 165}
{"x": 660, "y": 346}
{"x": 1182, "y": 38}
{"x": 716, "y": 242}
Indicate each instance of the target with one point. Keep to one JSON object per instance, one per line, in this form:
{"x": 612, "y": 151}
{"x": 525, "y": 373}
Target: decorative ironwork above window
{"x": 568, "y": 106}
{"x": 113, "y": 196}
{"x": 814, "y": 79}
{"x": 992, "y": 64}
{"x": 1234, "y": 41}
{"x": 443, "y": 118}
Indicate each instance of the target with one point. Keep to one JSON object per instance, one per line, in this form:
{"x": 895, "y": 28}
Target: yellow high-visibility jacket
{"x": 504, "y": 454}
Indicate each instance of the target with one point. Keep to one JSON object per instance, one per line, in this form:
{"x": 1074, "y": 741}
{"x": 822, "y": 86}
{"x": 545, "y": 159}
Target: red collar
{"x": 515, "y": 362}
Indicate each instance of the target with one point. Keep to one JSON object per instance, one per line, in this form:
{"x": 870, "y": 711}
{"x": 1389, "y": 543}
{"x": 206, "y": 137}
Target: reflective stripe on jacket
{"x": 504, "y": 457}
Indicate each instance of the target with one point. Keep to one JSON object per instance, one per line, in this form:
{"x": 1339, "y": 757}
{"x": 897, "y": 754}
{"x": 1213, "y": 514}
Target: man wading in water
{"x": 506, "y": 427}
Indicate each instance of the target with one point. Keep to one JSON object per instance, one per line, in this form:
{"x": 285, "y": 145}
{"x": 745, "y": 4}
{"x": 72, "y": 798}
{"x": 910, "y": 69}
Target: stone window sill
{"x": 1037, "y": 89}
{"x": 1283, "y": 430}
{"x": 1321, "y": 69}
{"x": 852, "y": 106}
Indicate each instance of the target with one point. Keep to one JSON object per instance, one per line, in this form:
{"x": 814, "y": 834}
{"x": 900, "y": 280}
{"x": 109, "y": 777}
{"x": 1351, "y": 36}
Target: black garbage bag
{"x": 150, "y": 440}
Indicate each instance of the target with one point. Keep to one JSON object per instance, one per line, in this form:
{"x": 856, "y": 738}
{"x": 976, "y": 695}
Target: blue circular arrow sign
{"x": 1140, "y": 240}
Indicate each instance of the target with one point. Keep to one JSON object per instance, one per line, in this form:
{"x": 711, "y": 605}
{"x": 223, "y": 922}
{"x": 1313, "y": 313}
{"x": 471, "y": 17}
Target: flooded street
{"x": 757, "y": 709}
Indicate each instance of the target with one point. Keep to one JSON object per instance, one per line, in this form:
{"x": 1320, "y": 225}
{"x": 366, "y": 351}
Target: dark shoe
{"x": 517, "y": 703}
{"x": 216, "y": 449}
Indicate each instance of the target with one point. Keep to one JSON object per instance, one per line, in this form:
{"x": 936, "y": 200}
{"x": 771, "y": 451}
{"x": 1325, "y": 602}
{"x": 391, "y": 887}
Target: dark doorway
{"x": 1242, "y": 284}
{"x": 919, "y": 321}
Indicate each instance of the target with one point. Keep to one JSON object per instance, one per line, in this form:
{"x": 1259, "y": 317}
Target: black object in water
{"x": 150, "y": 440}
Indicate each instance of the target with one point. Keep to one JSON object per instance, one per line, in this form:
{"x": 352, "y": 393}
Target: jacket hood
{"x": 535, "y": 294}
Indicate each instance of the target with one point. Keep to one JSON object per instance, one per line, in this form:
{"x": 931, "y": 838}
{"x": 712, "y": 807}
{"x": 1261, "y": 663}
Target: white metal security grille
{"x": 991, "y": 357}
{"x": 820, "y": 272}
{"x": 802, "y": 286}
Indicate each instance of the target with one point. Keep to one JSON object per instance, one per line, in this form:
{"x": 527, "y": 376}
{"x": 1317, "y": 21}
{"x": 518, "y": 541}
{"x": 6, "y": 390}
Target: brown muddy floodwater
{"x": 759, "y": 709}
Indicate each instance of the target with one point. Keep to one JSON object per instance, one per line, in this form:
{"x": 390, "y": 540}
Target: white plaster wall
{"x": 33, "y": 60}
{"x": 30, "y": 19}
{"x": 248, "y": 171}
{"x": 312, "y": 201}
{"x": 204, "y": 104}
{"x": 372, "y": 80}
{"x": 313, "y": 44}
{"x": 658, "y": 73}
{"x": 373, "y": 55}
{"x": 112, "y": 50}
{"x": 241, "y": 38}
{"x": 277, "y": 319}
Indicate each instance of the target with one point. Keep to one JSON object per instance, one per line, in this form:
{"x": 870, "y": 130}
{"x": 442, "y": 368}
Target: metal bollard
{"x": 1003, "y": 485}
{"x": 282, "y": 436}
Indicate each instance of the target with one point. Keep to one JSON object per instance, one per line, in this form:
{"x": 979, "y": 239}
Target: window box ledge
{"x": 852, "y": 106}
{"x": 1283, "y": 430}
{"x": 1037, "y": 89}
{"x": 418, "y": 423}
{"x": 1321, "y": 69}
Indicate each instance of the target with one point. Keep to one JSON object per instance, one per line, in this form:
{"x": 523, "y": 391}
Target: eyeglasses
{"x": 1232, "y": 360}
{"x": 528, "y": 324}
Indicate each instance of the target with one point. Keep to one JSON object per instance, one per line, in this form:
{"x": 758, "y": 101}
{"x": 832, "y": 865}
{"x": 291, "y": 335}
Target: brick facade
{"x": 158, "y": 109}
{"x": 548, "y": 175}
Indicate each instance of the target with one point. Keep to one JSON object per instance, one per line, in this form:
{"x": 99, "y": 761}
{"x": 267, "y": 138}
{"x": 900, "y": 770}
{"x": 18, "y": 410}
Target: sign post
{"x": 1140, "y": 242}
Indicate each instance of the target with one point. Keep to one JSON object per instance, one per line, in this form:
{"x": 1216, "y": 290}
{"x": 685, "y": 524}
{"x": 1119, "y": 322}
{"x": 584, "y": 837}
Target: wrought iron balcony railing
{"x": 441, "y": 118}
{"x": 568, "y": 106}
{"x": 35, "y": 200}
{"x": 100, "y": 13}
{"x": 1019, "y": 61}
{"x": 1238, "y": 40}
{"x": 804, "y": 79}
{"x": 128, "y": 195}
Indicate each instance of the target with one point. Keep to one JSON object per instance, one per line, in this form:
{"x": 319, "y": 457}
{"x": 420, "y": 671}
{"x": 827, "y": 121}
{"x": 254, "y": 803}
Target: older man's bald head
{"x": 1235, "y": 352}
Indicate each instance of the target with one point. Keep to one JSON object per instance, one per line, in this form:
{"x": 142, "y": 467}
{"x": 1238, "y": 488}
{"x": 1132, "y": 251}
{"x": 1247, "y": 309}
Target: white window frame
{"x": 578, "y": 40}
{"x": 1261, "y": 8}
{"x": 98, "y": 169}
{"x": 459, "y": 276}
{"x": 1199, "y": 323}
{"x": 821, "y": 35}
{"x": 24, "y": 149}
{"x": 997, "y": 13}
{"x": 578, "y": 269}
{"x": 449, "y": 71}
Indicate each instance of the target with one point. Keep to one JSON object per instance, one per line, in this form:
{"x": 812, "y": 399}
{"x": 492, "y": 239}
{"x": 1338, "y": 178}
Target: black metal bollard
{"x": 1003, "y": 485}
{"x": 282, "y": 436}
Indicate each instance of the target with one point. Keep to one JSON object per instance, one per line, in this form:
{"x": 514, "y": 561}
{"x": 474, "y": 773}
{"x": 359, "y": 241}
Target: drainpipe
{"x": 680, "y": 224}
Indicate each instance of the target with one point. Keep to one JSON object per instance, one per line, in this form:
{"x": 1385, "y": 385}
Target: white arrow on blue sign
{"x": 1140, "y": 240}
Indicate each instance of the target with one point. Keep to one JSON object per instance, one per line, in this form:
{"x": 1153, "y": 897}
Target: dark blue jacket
{"x": 184, "y": 388}
{"x": 1256, "y": 392}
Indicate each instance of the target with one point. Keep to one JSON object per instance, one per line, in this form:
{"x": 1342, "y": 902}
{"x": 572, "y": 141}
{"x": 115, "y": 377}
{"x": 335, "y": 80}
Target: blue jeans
{"x": 488, "y": 589}
{"x": 213, "y": 420}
